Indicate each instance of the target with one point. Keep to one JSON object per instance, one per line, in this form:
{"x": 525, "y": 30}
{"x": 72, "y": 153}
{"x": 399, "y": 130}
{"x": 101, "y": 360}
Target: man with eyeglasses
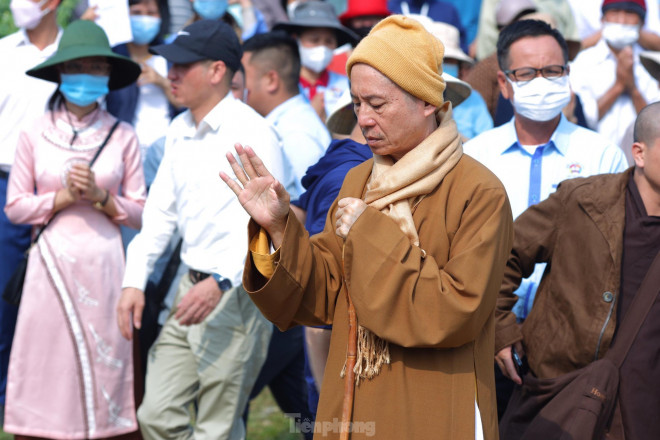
{"x": 538, "y": 147}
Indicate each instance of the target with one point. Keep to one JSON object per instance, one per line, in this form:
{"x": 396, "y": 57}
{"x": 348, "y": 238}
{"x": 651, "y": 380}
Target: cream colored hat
{"x": 450, "y": 37}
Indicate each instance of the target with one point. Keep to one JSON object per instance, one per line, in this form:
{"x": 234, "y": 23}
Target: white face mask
{"x": 541, "y": 99}
{"x": 27, "y": 14}
{"x": 620, "y": 35}
{"x": 316, "y": 58}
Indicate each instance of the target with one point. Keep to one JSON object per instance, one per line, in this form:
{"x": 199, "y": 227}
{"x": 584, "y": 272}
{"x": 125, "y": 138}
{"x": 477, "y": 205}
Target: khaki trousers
{"x": 211, "y": 366}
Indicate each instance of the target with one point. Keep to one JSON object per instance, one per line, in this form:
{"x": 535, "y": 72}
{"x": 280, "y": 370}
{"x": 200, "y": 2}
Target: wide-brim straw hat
{"x": 84, "y": 38}
{"x": 318, "y": 14}
{"x": 342, "y": 118}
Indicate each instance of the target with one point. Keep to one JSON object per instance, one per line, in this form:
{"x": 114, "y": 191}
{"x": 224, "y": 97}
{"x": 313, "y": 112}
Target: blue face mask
{"x": 144, "y": 28}
{"x": 236, "y": 11}
{"x": 451, "y": 69}
{"x": 210, "y": 9}
{"x": 83, "y": 89}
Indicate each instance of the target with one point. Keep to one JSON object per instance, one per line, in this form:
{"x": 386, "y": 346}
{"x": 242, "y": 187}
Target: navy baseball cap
{"x": 203, "y": 40}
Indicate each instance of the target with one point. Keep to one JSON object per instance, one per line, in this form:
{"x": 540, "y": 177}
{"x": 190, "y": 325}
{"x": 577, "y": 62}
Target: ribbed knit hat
{"x": 636, "y": 6}
{"x": 401, "y": 49}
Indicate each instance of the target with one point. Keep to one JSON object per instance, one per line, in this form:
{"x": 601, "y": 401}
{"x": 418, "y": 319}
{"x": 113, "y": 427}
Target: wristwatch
{"x": 100, "y": 204}
{"x": 224, "y": 284}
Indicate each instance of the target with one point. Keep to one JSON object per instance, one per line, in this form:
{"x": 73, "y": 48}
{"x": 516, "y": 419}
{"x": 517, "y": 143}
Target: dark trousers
{"x": 283, "y": 373}
{"x": 503, "y": 390}
{"x": 14, "y": 241}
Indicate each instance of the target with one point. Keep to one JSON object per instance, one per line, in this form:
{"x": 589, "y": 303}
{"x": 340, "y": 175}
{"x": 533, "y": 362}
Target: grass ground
{"x": 266, "y": 422}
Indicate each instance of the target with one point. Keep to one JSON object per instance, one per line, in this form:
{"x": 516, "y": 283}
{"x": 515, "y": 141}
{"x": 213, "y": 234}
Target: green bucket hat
{"x": 84, "y": 38}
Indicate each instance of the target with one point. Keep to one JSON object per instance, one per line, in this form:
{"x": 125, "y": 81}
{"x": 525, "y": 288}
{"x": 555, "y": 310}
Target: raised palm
{"x": 260, "y": 194}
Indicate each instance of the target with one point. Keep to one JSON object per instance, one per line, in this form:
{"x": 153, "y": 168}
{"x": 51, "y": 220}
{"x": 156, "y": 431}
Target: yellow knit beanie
{"x": 401, "y": 49}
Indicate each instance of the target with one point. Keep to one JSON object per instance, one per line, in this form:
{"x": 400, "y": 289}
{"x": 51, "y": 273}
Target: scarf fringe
{"x": 372, "y": 353}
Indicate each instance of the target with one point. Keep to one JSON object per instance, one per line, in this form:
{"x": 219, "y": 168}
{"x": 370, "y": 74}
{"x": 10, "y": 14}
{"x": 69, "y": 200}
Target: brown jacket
{"x": 436, "y": 311}
{"x": 578, "y": 231}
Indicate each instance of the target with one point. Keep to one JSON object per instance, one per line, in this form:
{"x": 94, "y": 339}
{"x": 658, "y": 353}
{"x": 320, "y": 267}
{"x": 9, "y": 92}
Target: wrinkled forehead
{"x": 367, "y": 81}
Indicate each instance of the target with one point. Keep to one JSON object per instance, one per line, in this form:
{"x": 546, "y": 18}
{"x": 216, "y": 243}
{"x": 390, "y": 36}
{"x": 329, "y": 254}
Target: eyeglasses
{"x": 525, "y": 74}
{"x": 85, "y": 66}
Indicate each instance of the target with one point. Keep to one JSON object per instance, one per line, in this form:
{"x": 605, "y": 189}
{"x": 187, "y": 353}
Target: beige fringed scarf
{"x": 396, "y": 188}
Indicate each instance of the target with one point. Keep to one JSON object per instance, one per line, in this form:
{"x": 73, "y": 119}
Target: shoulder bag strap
{"x": 96, "y": 155}
{"x": 636, "y": 314}
{"x": 107, "y": 138}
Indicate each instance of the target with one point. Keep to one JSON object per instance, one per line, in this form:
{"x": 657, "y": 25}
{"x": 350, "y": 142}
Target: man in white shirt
{"x": 22, "y": 99}
{"x": 609, "y": 78}
{"x": 214, "y": 342}
{"x": 272, "y": 69}
{"x": 539, "y": 147}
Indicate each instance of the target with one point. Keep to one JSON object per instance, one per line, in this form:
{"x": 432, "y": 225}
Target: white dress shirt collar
{"x": 559, "y": 138}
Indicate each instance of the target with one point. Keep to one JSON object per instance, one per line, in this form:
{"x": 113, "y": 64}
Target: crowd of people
{"x": 396, "y": 215}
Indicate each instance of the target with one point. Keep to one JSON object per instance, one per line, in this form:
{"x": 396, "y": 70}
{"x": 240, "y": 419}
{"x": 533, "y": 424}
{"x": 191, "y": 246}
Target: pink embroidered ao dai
{"x": 70, "y": 371}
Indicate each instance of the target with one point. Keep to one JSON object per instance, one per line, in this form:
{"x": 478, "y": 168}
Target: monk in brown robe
{"x": 418, "y": 239}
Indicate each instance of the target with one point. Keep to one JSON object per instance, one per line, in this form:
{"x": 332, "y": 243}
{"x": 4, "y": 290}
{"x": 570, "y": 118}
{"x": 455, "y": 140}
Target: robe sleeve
{"x": 400, "y": 293}
{"x": 403, "y": 295}
{"x": 264, "y": 261}
{"x": 535, "y": 232}
{"x": 306, "y": 280}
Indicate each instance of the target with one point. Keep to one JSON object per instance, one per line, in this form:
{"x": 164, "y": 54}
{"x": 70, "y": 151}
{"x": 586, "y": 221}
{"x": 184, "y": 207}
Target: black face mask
{"x": 362, "y": 31}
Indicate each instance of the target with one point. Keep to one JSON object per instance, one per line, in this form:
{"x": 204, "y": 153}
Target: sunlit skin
{"x": 392, "y": 121}
{"x": 257, "y": 95}
{"x": 186, "y": 85}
